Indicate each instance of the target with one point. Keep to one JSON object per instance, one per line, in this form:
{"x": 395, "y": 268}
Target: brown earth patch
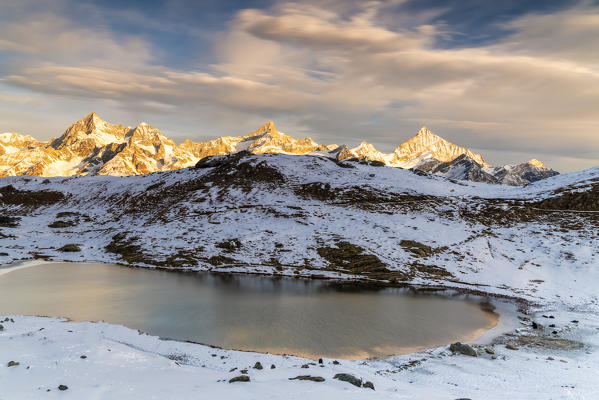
{"x": 13, "y": 196}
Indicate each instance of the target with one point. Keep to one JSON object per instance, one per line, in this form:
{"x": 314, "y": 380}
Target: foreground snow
{"x": 122, "y": 363}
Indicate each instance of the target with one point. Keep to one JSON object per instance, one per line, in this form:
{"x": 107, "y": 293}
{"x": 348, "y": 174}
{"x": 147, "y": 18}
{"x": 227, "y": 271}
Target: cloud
{"x": 338, "y": 73}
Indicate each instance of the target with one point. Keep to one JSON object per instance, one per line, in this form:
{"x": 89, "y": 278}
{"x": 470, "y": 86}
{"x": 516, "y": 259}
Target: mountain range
{"x": 92, "y": 146}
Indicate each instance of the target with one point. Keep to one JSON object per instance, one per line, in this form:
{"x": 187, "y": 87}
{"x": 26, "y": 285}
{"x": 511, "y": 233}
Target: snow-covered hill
{"x": 279, "y": 214}
{"x": 311, "y": 216}
{"x": 92, "y": 146}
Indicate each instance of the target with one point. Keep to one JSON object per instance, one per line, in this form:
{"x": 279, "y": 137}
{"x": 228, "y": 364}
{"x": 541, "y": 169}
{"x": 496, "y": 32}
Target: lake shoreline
{"x": 443, "y": 297}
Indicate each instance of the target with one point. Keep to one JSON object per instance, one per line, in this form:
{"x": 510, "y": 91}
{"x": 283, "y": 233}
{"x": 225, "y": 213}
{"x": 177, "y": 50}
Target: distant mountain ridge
{"x": 92, "y": 146}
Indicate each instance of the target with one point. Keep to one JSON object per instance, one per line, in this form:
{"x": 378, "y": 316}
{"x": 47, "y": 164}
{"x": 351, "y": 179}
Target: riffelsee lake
{"x": 278, "y": 315}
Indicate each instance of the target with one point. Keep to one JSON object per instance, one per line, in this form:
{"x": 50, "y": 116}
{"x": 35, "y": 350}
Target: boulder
{"x": 462, "y": 348}
{"x": 240, "y": 378}
{"x": 369, "y": 385}
{"x": 349, "y": 379}
{"x": 308, "y": 378}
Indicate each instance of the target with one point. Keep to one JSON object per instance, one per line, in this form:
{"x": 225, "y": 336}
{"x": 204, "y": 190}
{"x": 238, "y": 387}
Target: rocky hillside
{"x": 465, "y": 168}
{"x": 312, "y": 216}
{"x": 92, "y": 146}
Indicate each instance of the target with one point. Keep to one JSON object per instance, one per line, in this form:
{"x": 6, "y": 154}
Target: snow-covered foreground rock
{"x": 102, "y": 361}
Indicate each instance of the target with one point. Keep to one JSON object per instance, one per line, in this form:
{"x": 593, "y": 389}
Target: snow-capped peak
{"x": 441, "y": 149}
{"x": 537, "y": 163}
{"x": 93, "y": 146}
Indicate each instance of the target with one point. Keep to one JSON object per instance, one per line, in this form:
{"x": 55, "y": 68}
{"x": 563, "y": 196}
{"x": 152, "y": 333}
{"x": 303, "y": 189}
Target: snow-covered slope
{"x": 280, "y": 214}
{"x": 92, "y": 146}
{"x": 329, "y": 217}
{"x": 103, "y": 361}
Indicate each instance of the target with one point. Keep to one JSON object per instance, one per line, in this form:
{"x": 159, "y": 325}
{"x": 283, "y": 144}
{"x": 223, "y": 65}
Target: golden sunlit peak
{"x": 537, "y": 163}
{"x": 268, "y": 127}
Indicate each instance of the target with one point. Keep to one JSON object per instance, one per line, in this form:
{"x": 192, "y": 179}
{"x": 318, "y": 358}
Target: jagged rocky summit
{"x": 92, "y": 146}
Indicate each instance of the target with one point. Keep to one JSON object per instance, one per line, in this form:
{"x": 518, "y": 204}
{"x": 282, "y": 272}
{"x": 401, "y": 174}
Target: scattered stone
{"x": 13, "y": 363}
{"x": 554, "y": 332}
{"x": 335, "y": 362}
{"x": 83, "y": 357}
{"x": 272, "y": 366}
{"x": 62, "y": 387}
{"x": 574, "y": 321}
{"x": 535, "y": 325}
{"x": 306, "y": 366}
{"x": 320, "y": 361}
{"x": 551, "y": 317}
{"x": 550, "y": 358}
{"x": 232, "y": 369}
{"x": 510, "y": 346}
{"x": 349, "y": 379}
{"x": 494, "y": 357}
{"x": 240, "y": 378}
{"x": 69, "y": 248}
{"x": 564, "y": 361}
{"x": 461, "y": 348}
{"x": 244, "y": 371}
{"x": 369, "y": 385}
{"x": 308, "y": 378}
{"x": 489, "y": 350}
{"x": 1, "y": 327}
{"x": 552, "y": 325}
{"x": 258, "y": 365}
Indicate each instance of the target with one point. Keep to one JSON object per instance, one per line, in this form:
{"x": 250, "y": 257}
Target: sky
{"x": 511, "y": 79}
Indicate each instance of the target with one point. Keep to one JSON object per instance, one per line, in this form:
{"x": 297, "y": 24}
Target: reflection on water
{"x": 277, "y": 315}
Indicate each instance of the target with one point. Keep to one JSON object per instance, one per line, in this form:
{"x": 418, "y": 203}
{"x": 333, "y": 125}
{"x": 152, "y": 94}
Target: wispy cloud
{"x": 339, "y": 71}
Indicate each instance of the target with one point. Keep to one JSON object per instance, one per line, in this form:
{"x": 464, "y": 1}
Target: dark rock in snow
{"x": 369, "y": 385}
{"x": 70, "y": 248}
{"x": 349, "y": 379}
{"x": 12, "y": 363}
{"x": 258, "y": 365}
{"x": 462, "y": 348}
{"x": 240, "y": 378}
{"x": 308, "y": 378}
{"x": 62, "y": 387}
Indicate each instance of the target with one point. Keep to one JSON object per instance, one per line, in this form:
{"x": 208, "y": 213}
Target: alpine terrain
{"x": 92, "y": 146}
{"x": 268, "y": 204}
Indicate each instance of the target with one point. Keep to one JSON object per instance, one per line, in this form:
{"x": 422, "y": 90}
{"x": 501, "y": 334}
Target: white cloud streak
{"x": 338, "y": 74}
